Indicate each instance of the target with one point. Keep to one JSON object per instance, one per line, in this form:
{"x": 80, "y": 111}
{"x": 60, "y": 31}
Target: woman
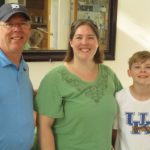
{"x": 75, "y": 102}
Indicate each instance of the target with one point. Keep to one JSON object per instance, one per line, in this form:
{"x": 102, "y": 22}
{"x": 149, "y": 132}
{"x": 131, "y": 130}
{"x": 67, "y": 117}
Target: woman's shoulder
{"x": 110, "y": 74}
{"x": 106, "y": 68}
{"x": 54, "y": 72}
{"x": 56, "y": 68}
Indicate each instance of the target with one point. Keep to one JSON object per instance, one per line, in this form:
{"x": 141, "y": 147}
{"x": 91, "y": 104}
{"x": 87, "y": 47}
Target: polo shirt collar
{"x": 4, "y": 61}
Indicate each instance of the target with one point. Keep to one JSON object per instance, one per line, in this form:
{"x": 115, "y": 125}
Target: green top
{"x": 84, "y": 111}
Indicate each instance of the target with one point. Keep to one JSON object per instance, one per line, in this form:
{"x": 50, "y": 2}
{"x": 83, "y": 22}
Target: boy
{"x": 133, "y": 122}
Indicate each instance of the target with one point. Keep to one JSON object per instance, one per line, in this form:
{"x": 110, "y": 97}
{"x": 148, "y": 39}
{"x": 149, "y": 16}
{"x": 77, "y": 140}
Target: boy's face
{"x": 140, "y": 72}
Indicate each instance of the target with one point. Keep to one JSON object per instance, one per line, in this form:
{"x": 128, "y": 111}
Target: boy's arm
{"x": 114, "y": 131}
{"x": 114, "y": 136}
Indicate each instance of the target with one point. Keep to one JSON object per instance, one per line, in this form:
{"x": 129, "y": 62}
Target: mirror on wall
{"x": 51, "y": 20}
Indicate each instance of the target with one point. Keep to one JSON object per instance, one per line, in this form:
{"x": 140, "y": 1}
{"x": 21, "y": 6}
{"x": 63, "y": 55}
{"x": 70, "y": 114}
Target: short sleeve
{"x": 48, "y": 100}
{"x": 116, "y": 81}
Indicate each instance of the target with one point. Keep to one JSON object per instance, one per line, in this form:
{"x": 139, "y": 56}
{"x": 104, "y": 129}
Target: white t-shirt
{"x": 132, "y": 122}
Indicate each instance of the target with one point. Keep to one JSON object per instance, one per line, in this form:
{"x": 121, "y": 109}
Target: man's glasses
{"x": 23, "y": 25}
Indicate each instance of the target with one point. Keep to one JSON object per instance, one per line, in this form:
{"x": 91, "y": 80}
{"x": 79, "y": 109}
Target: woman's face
{"x": 84, "y": 43}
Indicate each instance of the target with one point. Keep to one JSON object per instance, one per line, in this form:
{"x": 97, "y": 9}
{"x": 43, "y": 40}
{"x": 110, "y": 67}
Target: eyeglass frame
{"x": 22, "y": 25}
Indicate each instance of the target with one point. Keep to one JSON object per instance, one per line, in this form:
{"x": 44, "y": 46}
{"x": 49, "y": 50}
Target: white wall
{"x": 133, "y": 34}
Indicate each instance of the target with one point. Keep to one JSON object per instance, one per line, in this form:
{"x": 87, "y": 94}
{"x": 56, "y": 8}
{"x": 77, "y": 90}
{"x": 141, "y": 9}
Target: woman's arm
{"x": 45, "y": 133}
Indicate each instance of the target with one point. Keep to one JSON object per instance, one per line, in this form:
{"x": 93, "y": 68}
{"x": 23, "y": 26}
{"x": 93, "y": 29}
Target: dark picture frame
{"x": 58, "y": 55}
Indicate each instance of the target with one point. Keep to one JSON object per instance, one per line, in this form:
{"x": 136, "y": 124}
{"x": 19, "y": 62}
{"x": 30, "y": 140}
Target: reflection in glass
{"x": 65, "y": 12}
{"x": 53, "y": 18}
{"x": 98, "y": 11}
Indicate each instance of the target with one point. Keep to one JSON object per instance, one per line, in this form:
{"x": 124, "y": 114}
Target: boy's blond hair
{"x": 140, "y": 56}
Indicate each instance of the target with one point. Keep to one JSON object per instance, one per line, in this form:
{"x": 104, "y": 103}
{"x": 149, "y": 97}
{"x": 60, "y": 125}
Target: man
{"x": 16, "y": 92}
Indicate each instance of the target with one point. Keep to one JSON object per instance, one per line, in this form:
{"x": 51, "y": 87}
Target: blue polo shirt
{"x": 16, "y": 106}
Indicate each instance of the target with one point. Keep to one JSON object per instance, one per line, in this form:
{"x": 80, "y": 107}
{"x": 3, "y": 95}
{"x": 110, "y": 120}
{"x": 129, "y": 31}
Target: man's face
{"x": 14, "y": 33}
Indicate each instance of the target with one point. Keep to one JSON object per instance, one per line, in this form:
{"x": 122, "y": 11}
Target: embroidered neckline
{"x": 94, "y": 90}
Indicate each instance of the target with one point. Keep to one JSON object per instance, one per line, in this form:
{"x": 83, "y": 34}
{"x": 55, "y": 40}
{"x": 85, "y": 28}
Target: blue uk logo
{"x": 142, "y": 125}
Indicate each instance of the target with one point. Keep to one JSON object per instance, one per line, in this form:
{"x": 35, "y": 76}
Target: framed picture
{"x": 102, "y": 12}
